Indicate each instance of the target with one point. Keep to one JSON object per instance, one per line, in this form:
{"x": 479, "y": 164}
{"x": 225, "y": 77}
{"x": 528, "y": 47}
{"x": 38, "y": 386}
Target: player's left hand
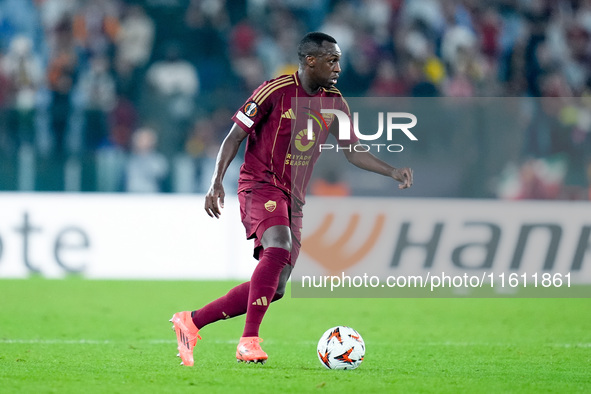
{"x": 404, "y": 176}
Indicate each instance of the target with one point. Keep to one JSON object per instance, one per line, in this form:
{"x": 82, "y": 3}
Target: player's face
{"x": 327, "y": 67}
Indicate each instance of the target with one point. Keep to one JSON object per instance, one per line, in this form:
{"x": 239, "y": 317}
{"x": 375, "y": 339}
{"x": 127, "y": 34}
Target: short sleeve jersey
{"x": 279, "y": 151}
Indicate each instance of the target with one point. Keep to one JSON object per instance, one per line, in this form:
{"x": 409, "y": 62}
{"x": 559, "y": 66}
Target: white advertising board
{"x": 437, "y": 241}
{"x": 171, "y": 237}
{"x": 120, "y": 236}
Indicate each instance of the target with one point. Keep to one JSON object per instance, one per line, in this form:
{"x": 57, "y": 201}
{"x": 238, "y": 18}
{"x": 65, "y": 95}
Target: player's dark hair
{"x": 311, "y": 44}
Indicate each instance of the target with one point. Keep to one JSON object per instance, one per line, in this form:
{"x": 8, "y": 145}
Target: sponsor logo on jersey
{"x": 303, "y": 142}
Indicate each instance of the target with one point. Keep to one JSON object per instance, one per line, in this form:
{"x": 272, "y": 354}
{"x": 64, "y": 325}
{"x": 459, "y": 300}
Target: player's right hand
{"x": 214, "y": 200}
{"x": 404, "y": 176}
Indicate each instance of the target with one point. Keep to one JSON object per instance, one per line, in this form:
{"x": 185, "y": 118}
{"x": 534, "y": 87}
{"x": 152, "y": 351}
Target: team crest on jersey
{"x": 328, "y": 117}
{"x": 270, "y": 205}
{"x": 250, "y": 109}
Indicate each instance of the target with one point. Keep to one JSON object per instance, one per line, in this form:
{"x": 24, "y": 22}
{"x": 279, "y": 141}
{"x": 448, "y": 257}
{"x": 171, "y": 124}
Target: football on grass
{"x": 341, "y": 347}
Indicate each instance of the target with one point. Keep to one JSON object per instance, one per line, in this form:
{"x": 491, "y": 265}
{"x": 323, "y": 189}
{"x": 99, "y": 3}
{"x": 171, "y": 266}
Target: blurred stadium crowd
{"x": 123, "y": 95}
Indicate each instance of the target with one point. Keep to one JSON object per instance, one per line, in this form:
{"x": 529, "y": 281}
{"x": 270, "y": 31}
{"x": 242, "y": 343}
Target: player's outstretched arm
{"x": 369, "y": 162}
{"x": 214, "y": 199}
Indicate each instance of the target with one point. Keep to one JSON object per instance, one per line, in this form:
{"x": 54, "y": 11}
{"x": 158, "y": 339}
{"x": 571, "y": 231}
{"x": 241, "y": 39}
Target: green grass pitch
{"x": 82, "y": 336}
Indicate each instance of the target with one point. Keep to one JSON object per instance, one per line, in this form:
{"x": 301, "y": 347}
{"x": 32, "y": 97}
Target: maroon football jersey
{"x": 278, "y": 148}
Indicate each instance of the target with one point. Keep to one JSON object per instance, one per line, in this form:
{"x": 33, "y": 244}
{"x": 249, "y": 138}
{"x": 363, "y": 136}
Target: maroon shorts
{"x": 265, "y": 207}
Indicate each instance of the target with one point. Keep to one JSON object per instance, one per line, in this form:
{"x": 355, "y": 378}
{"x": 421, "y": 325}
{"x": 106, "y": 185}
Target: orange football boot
{"x": 249, "y": 350}
{"x": 186, "y": 336}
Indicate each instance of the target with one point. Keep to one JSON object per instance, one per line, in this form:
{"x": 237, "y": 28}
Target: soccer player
{"x": 271, "y": 188}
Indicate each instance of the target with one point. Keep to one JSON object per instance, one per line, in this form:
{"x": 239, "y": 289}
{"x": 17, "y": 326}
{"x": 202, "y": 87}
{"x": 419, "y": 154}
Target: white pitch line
{"x": 219, "y": 341}
{"x": 499, "y": 344}
{"x": 86, "y": 341}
